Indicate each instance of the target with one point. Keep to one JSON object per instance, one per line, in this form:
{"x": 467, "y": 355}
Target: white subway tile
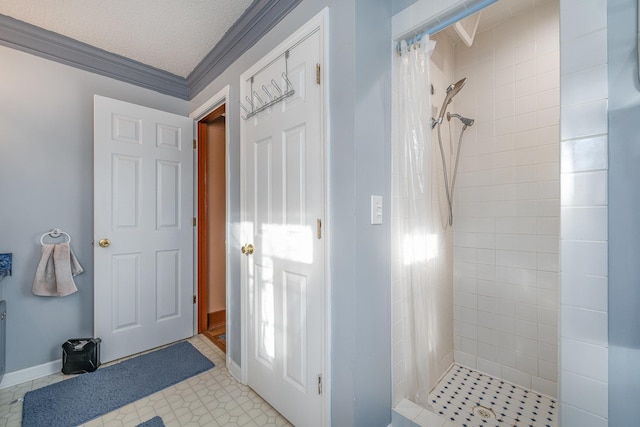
{"x": 526, "y": 104}
{"x": 527, "y": 86}
{"x": 548, "y": 298}
{"x": 547, "y": 334}
{"x": 527, "y": 329}
{"x": 507, "y": 358}
{"x": 505, "y": 75}
{"x": 548, "y": 316}
{"x": 547, "y": 226}
{"x": 548, "y": 135}
{"x": 584, "y": 120}
{"x": 525, "y": 58}
{"x": 527, "y": 346}
{"x": 584, "y": 359}
{"x": 468, "y": 346}
{"x": 547, "y": 171}
{"x": 581, "y": 18}
{"x": 517, "y": 377}
{"x": 527, "y": 364}
{"x": 572, "y": 416}
{"x": 548, "y": 280}
{"x": 584, "y": 85}
{"x": 585, "y": 154}
{"x": 548, "y": 352}
{"x": 548, "y": 244}
{"x": 548, "y": 262}
{"x": 465, "y": 359}
{"x": 527, "y": 312}
{"x": 486, "y": 288}
{"x": 505, "y": 340}
{"x": 549, "y": 61}
{"x": 584, "y": 189}
{"x": 548, "y": 98}
{"x": 583, "y": 259}
{"x": 588, "y": 292}
{"x": 546, "y": 387}
{"x": 525, "y": 173}
{"x": 584, "y": 325}
{"x": 584, "y": 393}
{"x": 548, "y": 190}
{"x": 584, "y": 223}
{"x": 488, "y": 366}
{"x": 548, "y": 370}
{"x": 583, "y": 52}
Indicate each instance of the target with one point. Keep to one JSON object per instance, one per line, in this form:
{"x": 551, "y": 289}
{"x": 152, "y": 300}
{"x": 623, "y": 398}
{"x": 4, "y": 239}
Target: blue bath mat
{"x": 87, "y": 396}
{"x": 153, "y": 422}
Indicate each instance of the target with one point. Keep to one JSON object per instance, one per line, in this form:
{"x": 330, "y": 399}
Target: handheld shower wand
{"x": 452, "y": 91}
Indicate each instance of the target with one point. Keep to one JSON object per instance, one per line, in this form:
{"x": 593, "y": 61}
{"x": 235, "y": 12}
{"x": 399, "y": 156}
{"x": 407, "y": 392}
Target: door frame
{"x": 215, "y": 102}
{"x": 319, "y": 22}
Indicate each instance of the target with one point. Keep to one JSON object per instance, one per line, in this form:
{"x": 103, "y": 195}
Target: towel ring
{"x": 56, "y": 232}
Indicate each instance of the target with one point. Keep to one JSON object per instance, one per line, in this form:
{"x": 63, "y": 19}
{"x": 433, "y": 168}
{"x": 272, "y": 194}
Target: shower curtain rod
{"x": 450, "y": 18}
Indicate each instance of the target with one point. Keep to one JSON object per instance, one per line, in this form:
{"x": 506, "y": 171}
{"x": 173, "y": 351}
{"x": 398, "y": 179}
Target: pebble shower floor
{"x": 472, "y": 399}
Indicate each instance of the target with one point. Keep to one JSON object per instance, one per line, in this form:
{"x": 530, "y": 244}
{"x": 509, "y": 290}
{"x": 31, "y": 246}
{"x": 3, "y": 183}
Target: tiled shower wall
{"x": 583, "y": 295}
{"x": 584, "y": 236}
{"x": 507, "y": 201}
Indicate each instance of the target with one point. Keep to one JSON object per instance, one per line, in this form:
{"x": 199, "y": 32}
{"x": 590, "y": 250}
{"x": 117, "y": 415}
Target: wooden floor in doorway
{"x": 218, "y": 335}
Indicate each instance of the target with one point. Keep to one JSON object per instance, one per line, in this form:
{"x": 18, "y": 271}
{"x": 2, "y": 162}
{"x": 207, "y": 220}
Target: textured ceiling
{"x": 172, "y": 35}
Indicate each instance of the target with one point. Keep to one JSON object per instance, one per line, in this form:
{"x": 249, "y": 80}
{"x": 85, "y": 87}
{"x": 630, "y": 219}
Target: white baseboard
{"x": 30, "y": 374}
{"x": 234, "y": 370}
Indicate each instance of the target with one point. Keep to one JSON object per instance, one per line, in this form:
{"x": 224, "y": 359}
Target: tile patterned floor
{"x": 472, "y": 399}
{"x": 213, "y": 398}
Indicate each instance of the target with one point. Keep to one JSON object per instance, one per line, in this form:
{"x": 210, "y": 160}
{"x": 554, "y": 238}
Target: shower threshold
{"x": 471, "y": 399}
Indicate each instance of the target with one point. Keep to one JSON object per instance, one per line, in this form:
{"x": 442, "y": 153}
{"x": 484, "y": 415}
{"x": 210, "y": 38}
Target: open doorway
{"x": 211, "y": 227}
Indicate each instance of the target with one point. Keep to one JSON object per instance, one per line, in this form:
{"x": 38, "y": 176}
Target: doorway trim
{"x": 215, "y": 102}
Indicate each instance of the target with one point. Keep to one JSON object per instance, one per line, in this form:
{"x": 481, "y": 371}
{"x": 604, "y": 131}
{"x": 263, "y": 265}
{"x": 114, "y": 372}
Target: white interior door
{"x": 143, "y": 233}
{"x": 283, "y": 204}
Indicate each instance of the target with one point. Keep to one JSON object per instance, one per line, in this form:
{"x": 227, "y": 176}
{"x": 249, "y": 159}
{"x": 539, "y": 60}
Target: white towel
{"x": 54, "y": 275}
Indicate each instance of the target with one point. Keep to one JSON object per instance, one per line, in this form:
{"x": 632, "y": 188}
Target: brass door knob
{"x": 104, "y": 243}
{"x": 247, "y": 249}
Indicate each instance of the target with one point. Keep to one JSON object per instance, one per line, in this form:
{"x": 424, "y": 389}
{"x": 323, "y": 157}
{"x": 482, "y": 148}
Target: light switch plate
{"x": 376, "y": 210}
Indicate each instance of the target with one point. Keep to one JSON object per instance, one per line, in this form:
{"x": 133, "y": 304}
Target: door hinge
{"x": 319, "y": 383}
{"x": 194, "y": 299}
{"x": 194, "y": 144}
{"x": 319, "y": 228}
{"x": 195, "y": 221}
{"x": 318, "y": 73}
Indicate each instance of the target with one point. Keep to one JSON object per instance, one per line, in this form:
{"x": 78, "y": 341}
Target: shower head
{"x": 465, "y": 121}
{"x": 452, "y": 91}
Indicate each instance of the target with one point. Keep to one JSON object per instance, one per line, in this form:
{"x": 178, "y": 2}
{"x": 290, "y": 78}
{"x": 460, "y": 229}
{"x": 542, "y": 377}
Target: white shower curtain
{"x": 417, "y": 231}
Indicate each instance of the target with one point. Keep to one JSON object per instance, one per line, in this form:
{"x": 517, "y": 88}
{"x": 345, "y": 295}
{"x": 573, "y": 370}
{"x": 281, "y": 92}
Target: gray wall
{"x": 398, "y": 5}
{"x": 46, "y": 181}
{"x": 624, "y": 206}
{"x": 359, "y": 166}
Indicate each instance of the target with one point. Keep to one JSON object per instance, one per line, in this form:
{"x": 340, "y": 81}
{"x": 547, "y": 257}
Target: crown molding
{"x": 255, "y": 22}
{"x": 260, "y": 17}
{"x": 47, "y": 44}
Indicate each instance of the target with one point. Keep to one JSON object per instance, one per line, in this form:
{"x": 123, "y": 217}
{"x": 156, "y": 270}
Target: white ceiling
{"x": 172, "y": 35}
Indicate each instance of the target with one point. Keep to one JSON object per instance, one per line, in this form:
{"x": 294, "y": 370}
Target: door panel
{"x": 143, "y": 192}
